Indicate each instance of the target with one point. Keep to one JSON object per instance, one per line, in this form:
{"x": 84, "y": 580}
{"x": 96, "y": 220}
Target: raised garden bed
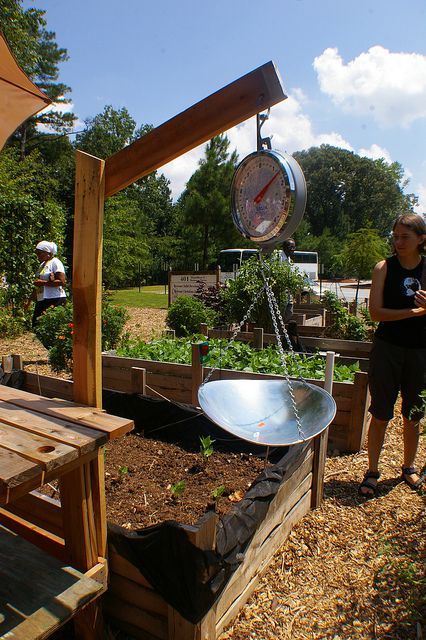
{"x": 182, "y": 579}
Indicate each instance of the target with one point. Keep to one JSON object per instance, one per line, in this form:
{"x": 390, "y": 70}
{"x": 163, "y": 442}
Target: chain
{"x": 287, "y": 337}
{"x": 236, "y": 331}
{"x": 273, "y": 307}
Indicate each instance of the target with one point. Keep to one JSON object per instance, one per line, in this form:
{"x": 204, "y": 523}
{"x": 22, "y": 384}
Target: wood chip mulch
{"x": 352, "y": 569}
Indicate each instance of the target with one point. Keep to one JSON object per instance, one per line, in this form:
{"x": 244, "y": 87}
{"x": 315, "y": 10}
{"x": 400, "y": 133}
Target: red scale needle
{"x": 262, "y": 192}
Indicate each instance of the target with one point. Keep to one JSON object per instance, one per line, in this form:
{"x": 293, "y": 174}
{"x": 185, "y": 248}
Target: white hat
{"x": 48, "y": 247}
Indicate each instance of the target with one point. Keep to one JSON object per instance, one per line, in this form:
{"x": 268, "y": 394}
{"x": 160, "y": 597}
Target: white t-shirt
{"x": 47, "y": 293}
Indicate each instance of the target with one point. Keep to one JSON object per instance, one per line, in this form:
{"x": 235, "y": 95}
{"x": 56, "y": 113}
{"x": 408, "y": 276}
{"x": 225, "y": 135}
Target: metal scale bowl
{"x": 261, "y": 411}
{"x": 268, "y": 192}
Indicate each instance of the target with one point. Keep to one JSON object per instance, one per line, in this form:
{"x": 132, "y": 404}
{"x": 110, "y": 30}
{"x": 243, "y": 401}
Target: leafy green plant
{"x": 343, "y": 325}
{"x": 218, "y": 492}
{"x": 206, "y": 446}
{"x": 11, "y": 324}
{"x": 238, "y": 295}
{"x": 239, "y": 356}
{"x": 186, "y": 314}
{"x": 178, "y": 489}
{"x": 55, "y": 330}
{"x": 123, "y": 470}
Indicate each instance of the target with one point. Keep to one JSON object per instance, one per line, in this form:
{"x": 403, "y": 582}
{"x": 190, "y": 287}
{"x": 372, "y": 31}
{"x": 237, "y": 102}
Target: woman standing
{"x": 398, "y": 357}
{"x": 49, "y": 282}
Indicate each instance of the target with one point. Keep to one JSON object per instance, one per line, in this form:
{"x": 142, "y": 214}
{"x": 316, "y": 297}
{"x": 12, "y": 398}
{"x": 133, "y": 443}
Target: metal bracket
{"x": 262, "y": 143}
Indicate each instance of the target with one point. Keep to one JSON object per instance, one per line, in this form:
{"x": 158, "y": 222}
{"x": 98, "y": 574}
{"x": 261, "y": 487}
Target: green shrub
{"x": 186, "y": 314}
{"x": 55, "y": 330}
{"x": 238, "y": 295}
{"x": 11, "y": 325}
{"x": 343, "y": 325}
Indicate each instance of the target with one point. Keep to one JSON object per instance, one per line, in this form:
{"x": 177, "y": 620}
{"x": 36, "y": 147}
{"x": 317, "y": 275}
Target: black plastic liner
{"x": 189, "y": 579}
{"x": 13, "y": 379}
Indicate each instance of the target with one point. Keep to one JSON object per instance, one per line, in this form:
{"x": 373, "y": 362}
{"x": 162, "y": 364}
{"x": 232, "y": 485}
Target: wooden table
{"x": 42, "y": 440}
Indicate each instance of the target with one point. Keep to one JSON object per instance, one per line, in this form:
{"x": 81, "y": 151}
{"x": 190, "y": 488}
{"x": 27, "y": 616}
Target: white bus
{"x": 307, "y": 262}
{"x": 230, "y": 261}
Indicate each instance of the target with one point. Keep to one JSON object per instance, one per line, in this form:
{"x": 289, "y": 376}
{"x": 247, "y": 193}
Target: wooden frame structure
{"x": 97, "y": 179}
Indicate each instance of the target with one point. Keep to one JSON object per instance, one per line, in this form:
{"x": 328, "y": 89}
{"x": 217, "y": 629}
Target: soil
{"x": 140, "y": 475}
{"x": 350, "y": 570}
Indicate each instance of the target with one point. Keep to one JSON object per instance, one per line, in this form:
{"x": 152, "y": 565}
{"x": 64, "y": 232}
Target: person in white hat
{"x": 49, "y": 282}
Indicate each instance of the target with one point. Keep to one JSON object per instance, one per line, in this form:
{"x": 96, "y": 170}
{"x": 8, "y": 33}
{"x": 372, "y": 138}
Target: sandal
{"x": 367, "y": 484}
{"x": 409, "y": 471}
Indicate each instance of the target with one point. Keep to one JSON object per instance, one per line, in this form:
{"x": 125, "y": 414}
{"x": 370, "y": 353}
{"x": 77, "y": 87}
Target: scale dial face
{"x": 264, "y": 191}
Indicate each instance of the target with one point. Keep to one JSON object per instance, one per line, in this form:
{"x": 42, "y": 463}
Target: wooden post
{"x": 258, "y": 338}
{"x": 203, "y": 537}
{"x": 7, "y": 364}
{"x": 138, "y": 375}
{"x": 204, "y": 329}
{"x": 87, "y": 279}
{"x": 358, "y": 418}
{"x": 197, "y": 373}
{"x": 320, "y": 442}
{"x": 82, "y": 491}
{"x": 17, "y": 362}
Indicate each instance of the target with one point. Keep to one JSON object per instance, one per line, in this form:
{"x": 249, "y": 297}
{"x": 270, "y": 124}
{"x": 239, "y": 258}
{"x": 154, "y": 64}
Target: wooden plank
{"x": 45, "y": 452}
{"x": 263, "y": 557}
{"x": 37, "y": 593}
{"x": 123, "y": 567}
{"x": 113, "y": 426}
{"x": 78, "y": 436}
{"x": 87, "y": 279}
{"x": 151, "y": 366}
{"x": 121, "y": 610}
{"x": 358, "y": 417}
{"x": 17, "y": 472}
{"x": 250, "y": 94}
{"x": 254, "y": 556}
{"x": 50, "y": 543}
{"x": 39, "y": 509}
{"x": 134, "y": 632}
{"x": 137, "y": 595}
{"x": 47, "y": 386}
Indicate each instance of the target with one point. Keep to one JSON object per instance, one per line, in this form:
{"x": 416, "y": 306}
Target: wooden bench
{"x": 52, "y": 555}
{"x": 37, "y": 592}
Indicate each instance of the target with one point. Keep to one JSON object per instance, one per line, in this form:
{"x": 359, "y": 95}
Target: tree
{"x": 205, "y": 203}
{"x": 107, "y": 132}
{"x": 139, "y": 221}
{"x": 347, "y": 192}
{"x": 362, "y": 250}
{"x": 39, "y": 55}
{"x": 29, "y": 212}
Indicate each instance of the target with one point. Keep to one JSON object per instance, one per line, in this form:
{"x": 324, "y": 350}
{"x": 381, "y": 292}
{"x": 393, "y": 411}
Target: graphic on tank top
{"x": 410, "y": 286}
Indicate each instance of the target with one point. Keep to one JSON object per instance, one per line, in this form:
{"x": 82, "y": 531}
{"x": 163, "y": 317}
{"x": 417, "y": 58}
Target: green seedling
{"x": 123, "y": 470}
{"x": 178, "y": 488}
{"x": 206, "y": 446}
{"x": 218, "y": 492}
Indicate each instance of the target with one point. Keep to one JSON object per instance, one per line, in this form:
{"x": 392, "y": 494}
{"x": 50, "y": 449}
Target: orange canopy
{"x": 19, "y": 97}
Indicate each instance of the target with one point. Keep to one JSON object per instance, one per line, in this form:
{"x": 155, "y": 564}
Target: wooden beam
{"x": 87, "y": 279}
{"x": 243, "y": 98}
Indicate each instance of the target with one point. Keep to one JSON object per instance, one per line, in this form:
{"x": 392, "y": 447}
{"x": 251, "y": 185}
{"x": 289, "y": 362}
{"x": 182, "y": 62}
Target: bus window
{"x": 307, "y": 262}
{"x": 230, "y": 261}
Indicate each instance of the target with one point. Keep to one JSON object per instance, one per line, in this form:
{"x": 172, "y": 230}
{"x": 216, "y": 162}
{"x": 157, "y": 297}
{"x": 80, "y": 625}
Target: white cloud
{"x": 421, "y": 193}
{"x": 375, "y": 152}
{"x": 390, "y": 87}
{"x": 59, "y": 107}
{"x": 292, "y": 131}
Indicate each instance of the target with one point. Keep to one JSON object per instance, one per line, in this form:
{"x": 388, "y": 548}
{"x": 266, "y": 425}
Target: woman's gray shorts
{"x": 393, "y": 369}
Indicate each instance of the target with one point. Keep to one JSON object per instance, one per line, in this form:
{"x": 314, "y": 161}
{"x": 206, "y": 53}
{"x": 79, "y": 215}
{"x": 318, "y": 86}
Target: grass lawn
{"x": 152, "y": 297}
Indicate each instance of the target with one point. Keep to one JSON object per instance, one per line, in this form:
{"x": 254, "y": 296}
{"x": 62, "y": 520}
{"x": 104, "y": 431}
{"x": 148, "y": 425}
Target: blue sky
{"x": 354, "y": 71}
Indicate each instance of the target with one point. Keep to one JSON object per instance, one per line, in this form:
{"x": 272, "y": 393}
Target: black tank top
{"x": 398, "y": 293}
